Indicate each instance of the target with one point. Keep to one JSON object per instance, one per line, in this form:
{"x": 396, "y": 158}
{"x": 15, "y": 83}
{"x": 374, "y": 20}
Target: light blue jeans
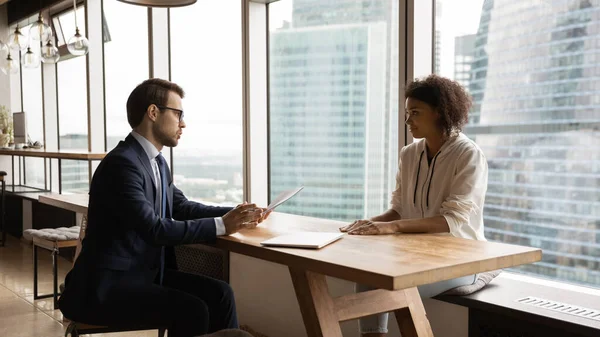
{"x": 379, "y": 323}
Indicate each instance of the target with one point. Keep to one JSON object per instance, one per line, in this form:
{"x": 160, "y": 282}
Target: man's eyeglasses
{"x": 176, "y": 110}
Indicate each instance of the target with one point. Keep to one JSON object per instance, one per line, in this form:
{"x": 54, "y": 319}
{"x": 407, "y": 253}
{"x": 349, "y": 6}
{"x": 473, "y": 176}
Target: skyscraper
{"x": 437, "y": 38}
{"x": 537, "y": 118}
{"x": 332, "y": 101}
{"x": 74, "y": 173}
{"x": 464, "y": 50}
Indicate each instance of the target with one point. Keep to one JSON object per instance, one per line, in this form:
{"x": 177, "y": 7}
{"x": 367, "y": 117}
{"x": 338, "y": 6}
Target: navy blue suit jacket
{"x": 125, "y": 234}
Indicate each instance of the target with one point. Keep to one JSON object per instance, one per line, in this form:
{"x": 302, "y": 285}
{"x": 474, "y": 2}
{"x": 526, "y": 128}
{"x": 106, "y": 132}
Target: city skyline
{"x": 332, "y": 101}
{"x": 535, "y": 115}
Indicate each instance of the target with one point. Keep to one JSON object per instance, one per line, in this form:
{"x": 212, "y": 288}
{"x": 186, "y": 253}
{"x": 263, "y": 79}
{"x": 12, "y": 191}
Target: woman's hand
{"x": 374, "y": 228}
{"x": 354, "y": 225}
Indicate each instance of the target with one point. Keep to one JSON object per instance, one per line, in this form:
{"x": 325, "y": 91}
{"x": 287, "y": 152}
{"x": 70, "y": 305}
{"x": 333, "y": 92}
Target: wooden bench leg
{"x": 322, "y": 314}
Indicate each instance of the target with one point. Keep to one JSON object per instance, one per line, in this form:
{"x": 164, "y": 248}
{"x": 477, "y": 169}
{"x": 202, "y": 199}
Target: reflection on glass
{"x": 74, "y": 175}
{"x": 32, "y": 105}
{"x": 34, "y": 172}
{"x": 72, "y": 120}
{"x": 208, "y": 160}
{"x": 127, "y": 37}
{"x": 334, "y": 105}
{"x": 536, "y": 116}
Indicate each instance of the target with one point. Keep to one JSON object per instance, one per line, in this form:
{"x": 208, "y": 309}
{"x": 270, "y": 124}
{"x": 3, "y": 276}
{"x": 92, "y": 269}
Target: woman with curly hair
{"x": 441, "y": 181}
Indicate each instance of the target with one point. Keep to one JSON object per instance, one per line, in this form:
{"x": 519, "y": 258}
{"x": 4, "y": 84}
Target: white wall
{"x": 266, "y": 302}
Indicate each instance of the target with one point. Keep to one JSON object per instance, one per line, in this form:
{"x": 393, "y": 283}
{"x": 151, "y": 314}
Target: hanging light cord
{"x": 75, "y": 13}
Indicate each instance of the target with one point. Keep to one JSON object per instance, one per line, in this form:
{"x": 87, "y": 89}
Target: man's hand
{"x": 242, "y": 216}
{"x": 265, "y": 215}
{"x": 354, "y": 225}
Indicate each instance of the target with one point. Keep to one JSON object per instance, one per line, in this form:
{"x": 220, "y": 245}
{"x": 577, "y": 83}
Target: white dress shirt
{"x": 152, "y": 152}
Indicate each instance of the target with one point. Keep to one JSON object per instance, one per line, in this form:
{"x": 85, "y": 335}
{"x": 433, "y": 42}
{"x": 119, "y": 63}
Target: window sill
{"x": 501, "y": 296}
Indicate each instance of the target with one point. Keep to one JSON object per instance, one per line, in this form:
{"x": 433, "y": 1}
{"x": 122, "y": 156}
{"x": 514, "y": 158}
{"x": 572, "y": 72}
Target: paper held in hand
{"x": 283, "y": 197}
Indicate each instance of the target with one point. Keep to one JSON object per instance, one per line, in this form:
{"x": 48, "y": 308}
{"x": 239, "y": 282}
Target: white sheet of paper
{"x": 283, "y": 197}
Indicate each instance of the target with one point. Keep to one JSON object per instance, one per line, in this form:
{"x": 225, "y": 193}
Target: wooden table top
{"x": 59, "y": 154}
{"x": 73, "y": 202}
{"x": 385, "y": 261}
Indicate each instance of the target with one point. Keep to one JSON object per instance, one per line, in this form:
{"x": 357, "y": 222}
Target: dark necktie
{"x": 162, "y": 167}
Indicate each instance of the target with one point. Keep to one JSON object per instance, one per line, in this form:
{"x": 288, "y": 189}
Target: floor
{"x": 20, "y": 315}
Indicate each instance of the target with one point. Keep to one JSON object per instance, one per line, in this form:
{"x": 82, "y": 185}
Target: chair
{"x": 2, "y": 207}
{"x": 74, "y": 329}
{"x": 51, "y": 239}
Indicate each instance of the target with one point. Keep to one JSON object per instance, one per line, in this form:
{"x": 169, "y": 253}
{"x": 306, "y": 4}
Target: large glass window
{"x": 334, "y": 105}
{"x": 533, "y": 79}
{"x": 206, "y": 60}
{"x": 73, "y": 122}
{"x": 125, "y": 63}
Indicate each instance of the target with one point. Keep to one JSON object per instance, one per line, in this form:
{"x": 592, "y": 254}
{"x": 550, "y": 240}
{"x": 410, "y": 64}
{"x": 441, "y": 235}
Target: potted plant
{"x": 6, "y": 127}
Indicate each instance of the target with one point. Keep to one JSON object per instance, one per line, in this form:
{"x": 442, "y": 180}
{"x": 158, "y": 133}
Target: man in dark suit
{"x": 125, "y": 274}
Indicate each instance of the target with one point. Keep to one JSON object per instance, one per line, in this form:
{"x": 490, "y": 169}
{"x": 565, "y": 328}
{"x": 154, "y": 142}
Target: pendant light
{"x": 10, "y": 66}
{"x": 30, "y": 59}
{"x": 16, "y": 40}
{"x": 78, "y": 45}
{"x": 40, "y": 31}
{"x": 160, "y": 3}
{"x": 49, "y": 53}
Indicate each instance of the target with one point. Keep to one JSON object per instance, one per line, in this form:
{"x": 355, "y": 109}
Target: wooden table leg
{"x": 316, "y": 304}
{"x": 412, "y": 319}
{"x": 322, "y": 314}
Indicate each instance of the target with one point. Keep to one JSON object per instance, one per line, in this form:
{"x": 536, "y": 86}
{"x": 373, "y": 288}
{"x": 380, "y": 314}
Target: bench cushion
{"x": 52, "y": 234}
{"x": 482, "y": 280}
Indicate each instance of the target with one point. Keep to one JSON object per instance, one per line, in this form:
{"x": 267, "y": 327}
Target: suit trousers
{"x": 186, "y": 304}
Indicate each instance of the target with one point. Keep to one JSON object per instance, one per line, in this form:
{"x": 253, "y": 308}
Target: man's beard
{"x": 164, "y": 139}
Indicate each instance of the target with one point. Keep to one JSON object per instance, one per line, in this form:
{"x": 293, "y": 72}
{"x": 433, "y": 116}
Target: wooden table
{"x": 396, "y": 264}
{"x": 77, "y": 203}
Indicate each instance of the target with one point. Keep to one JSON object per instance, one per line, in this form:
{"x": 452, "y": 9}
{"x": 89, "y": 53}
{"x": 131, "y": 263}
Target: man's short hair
{"x": 152, "y": 91}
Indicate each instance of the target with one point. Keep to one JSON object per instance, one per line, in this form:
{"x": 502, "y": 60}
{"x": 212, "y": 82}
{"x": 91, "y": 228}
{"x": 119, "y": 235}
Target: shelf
{"x": 60, "y": 154}
{"x": 26, "y": 192}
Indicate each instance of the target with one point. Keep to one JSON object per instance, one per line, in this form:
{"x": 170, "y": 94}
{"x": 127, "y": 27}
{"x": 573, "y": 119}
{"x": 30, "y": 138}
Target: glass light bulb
{"x": 78, "y": 45}
{"x": 10, "y": 66}
{"x": 17, "y": 41}
{"x": 30, "y": 59}
{"x": 40, "y": 31}
{"x": 49, "y": 53}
